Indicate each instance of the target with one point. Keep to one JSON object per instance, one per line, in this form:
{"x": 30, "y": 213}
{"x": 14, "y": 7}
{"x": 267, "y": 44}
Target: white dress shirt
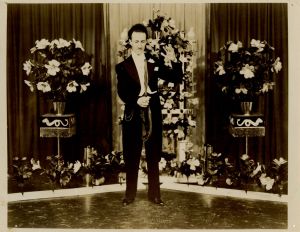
{"x": 139, "y": 61}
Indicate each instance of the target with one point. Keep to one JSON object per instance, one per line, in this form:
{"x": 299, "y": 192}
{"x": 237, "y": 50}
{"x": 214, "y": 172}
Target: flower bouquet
{"x": 189, "y": 168}
{"x": 98, "y": 169}
{"x": 166, "y": 43}
{"x": 275, "y": 177}
{"x": 58, "y": 68}
{"x": 243, "y": 73}
{"x": 116, "y": 168}
{"x": 250, "y": 171}
{"x": 58, "y": 171}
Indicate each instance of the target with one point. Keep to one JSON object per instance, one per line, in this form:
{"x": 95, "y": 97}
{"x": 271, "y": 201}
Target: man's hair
{"x": 138, "y": 28}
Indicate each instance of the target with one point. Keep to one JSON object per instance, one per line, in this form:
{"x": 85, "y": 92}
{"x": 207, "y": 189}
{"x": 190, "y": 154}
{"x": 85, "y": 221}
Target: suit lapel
{"x": 151, "y": 79}
{"x": 132, "y": 70}
{"x": 150, "y": 70}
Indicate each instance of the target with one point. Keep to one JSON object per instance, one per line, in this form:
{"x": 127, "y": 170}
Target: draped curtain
{"x": 87, "y": 23}
{"x": 244, "y": 22}
{"x": 186, "y": 16}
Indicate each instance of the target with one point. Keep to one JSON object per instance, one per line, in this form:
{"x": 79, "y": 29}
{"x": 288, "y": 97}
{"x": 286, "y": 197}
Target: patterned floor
{"x": 183, "y": 210}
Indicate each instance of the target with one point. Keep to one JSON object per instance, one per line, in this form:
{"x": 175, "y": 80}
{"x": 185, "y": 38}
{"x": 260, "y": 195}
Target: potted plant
{"x": 22, "y": 171}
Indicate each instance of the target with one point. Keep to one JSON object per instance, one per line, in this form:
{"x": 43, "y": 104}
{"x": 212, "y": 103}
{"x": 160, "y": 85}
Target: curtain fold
{"x": 264, "y": 21}
{"x": 84, "y": 22}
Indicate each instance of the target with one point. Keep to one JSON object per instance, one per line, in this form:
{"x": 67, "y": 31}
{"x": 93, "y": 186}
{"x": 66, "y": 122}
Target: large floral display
{"x": 244, "y": 73}
{"x": 58, "y": 68}
{"x": 206, "y": 168}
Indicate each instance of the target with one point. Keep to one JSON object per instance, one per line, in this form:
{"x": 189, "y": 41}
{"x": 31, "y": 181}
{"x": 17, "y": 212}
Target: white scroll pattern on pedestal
{"x": 56, "y": 122}
{"x": 248, "y": 122}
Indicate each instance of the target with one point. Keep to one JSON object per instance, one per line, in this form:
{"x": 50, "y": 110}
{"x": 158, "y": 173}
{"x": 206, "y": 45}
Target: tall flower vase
{"x": 59, "y": 107}
{"x": 246, "y": 107}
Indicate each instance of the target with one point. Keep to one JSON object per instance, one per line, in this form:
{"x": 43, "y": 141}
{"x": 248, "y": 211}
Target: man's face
{"x": 138, "y": 42}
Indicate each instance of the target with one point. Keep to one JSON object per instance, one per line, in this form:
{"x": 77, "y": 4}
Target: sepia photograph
{"x": 149, "y": 115}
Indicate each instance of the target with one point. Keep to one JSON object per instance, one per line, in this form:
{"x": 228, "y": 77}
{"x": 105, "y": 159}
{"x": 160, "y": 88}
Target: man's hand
{"x": 143, "y": 101}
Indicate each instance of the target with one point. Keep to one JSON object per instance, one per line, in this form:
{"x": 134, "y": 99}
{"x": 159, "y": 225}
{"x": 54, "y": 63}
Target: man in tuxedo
{"x": 142, "y": 123}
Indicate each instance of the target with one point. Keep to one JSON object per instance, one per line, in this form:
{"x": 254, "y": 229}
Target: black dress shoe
{"x": 157, "y": 201}
{"x": 126, "y": 201}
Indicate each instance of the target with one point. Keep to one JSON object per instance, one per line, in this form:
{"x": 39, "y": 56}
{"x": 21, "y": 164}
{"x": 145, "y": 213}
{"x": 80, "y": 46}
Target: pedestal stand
{"x": 247, "y": 126}
{"x": 59, "y": 126}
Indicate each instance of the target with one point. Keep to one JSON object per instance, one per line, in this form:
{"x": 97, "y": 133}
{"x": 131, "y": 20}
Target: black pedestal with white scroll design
{"x": 59, "y": 126}
{"x": 242, "y": 125}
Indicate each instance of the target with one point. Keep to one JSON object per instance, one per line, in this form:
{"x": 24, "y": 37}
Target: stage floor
{"x": 183, "y": 210}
